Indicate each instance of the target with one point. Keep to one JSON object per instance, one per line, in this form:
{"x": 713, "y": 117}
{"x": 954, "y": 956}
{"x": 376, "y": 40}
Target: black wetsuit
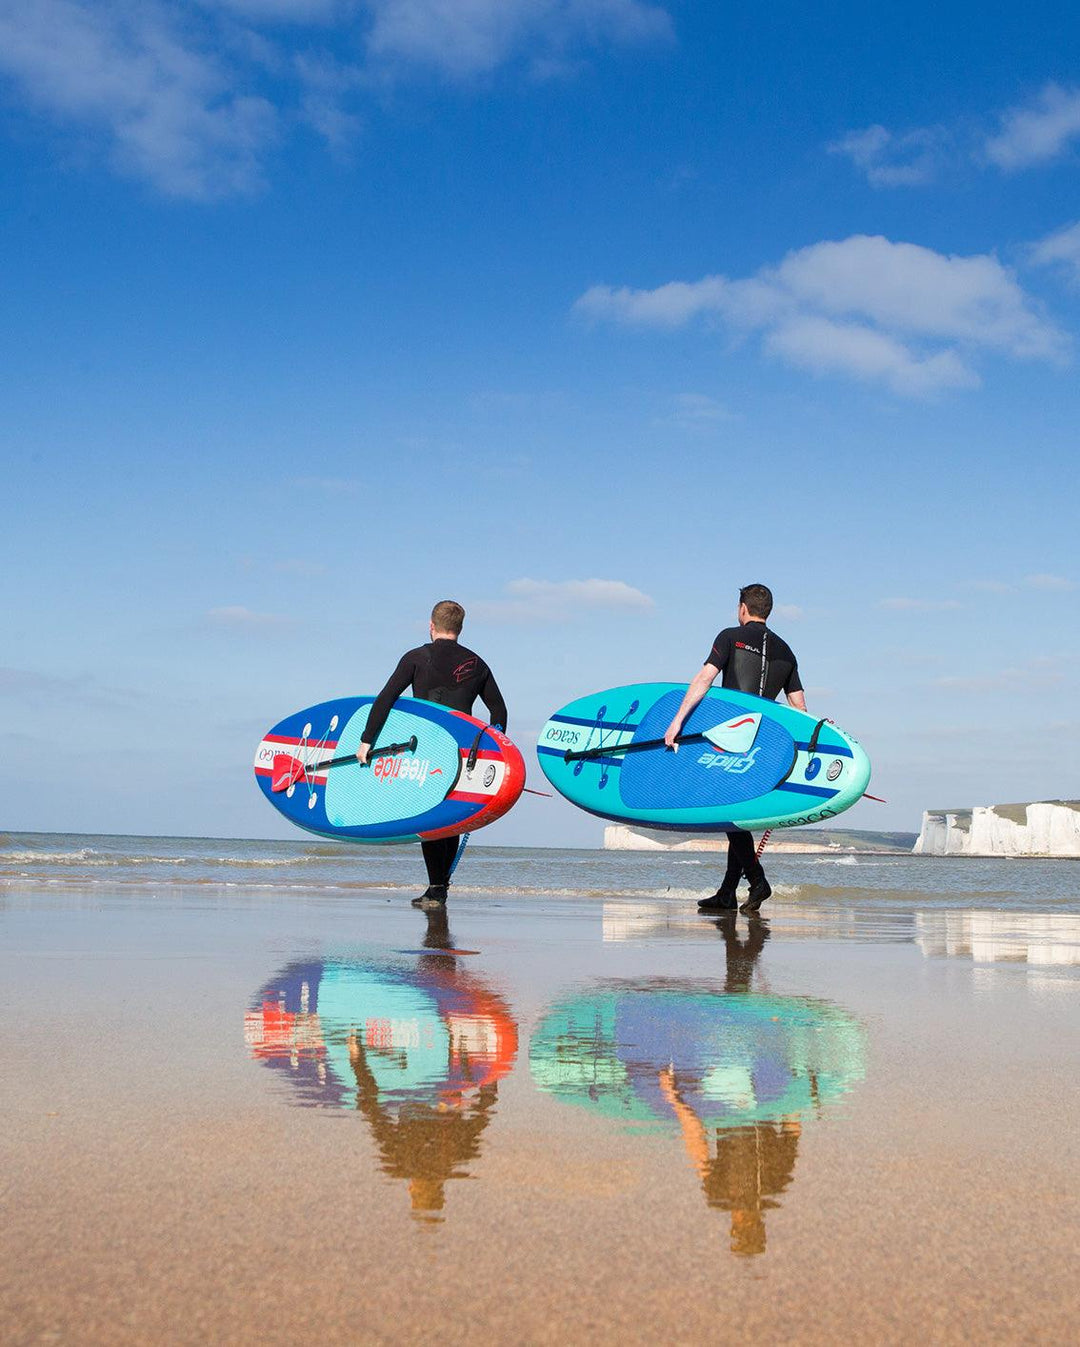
{"x": 446, "y": 672}
{"x": 752, "y": 659}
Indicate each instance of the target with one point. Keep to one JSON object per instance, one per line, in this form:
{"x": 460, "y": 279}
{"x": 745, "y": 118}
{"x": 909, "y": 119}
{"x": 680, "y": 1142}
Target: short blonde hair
{"x": 448, "y": 616}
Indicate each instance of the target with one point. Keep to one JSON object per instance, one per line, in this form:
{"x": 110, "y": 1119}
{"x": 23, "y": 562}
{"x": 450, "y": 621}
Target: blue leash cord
{"x": 460, "y": 852}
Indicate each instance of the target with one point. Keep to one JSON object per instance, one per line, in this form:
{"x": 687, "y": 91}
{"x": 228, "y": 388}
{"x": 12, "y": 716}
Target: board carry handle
{"x": 292, "y": 769}
{"x": 474, "y": 753}
{"x": 811, "y": 748}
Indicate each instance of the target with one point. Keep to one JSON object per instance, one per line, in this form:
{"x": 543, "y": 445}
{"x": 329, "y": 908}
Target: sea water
{"x": 149, "y": 866}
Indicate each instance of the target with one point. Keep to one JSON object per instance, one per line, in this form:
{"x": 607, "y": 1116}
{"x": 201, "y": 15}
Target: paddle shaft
{"x": 602, "y": 752}
{"x": 390, "y": 749}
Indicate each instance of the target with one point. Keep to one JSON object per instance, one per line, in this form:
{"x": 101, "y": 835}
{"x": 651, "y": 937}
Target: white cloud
{"x": 921, "y": 292}
{"x": 1062, "y": 249}
{"x": 32, "y": 686}
{"x": 327, "y": 85}
{"x": 192, "y": 98}
{"x": 328, "y": 119}
{"x": 1056, "y": 584}
{"x": 790, "y": 612}
{"x": 281, "y": 11}
{"x": 560, "y": 601}
{"x": 827, "y": 347}
{"x": 468, "y": 37}
{"x": 1037, "y": 132}
{"x": 670, "y": 305}
{"x": 991, "y": 587}
{"x": 1043, "y": 674}
{"x": 167, "y": 110}
{"x": 893, "y": 313}
{"x": 890, "y": 160}
{"x": 238, "y": 618}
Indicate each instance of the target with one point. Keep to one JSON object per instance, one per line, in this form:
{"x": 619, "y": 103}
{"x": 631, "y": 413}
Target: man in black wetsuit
{"x": 442, "y": 671}
{"x": 752, "y": 659}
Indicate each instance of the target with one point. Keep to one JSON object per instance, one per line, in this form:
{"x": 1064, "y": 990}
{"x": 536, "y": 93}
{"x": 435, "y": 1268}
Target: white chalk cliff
{"x": 1043, "y": 828}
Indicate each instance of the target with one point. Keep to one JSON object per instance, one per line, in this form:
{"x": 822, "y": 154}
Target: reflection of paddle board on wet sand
{"x": 416, "y": 1047}
{"x": 738, "y": 1059}
{"x": 742, "y": 762}
{"x": 435, "y": 772}
{"x": 428, "y": 1031}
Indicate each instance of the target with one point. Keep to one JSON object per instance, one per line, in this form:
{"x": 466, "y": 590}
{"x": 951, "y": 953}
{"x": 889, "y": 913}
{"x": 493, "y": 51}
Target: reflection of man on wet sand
{"x": 751, "y": 1165}
{"x": 754, "y": 1163}
{"x": 742, "y": 955}
{"x": 426, "y": 1143}
{"x": 430, "y": 1140}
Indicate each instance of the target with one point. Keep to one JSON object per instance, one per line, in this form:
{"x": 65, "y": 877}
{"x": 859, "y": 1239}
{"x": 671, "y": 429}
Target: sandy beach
{"x": 253, "y": 1115}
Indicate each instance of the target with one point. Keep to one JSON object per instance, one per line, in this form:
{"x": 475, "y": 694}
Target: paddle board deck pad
{"x": 461, "y": 775}
{"x": 765, "y": 765}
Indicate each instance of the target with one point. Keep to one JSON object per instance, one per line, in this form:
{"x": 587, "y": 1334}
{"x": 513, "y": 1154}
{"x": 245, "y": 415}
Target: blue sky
{"x": 584, "y": 312}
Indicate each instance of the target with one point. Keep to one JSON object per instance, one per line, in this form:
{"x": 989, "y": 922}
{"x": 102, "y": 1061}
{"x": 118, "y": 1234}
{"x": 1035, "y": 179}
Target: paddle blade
{"x": 286, "y": 772}
{"x": 736, "y": 735}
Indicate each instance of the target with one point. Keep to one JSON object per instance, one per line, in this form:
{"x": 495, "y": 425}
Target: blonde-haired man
{"x": 446, "y": 672}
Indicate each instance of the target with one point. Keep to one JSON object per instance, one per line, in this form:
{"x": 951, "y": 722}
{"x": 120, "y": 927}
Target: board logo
{"x": 727, "y": 763}
{"x": 404, "y": 769}
{"x": 812, "y": 768}
{"x": 815, "y": 817}
{"x": 557, "y": 734}
{"x": 835, "y": 768}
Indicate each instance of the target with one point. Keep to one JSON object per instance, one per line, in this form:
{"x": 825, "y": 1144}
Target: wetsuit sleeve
{"x": 396, "y": 684}
{"x": 493, "y": 700}
{"x": 721, "y": 652}
{"x": 794, "y": 682}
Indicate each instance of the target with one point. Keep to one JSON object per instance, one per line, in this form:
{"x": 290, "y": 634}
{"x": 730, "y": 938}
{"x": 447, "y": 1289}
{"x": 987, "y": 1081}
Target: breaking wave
{"x": 88, "y": 857}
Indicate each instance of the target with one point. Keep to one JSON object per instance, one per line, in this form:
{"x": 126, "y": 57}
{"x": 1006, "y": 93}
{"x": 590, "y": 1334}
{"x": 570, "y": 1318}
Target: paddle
{"x": 733, "y": 736}
{"x": 288, "y": 770}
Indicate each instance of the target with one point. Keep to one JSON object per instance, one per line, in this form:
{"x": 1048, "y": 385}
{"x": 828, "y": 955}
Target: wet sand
{"x": 238, "y": 1116}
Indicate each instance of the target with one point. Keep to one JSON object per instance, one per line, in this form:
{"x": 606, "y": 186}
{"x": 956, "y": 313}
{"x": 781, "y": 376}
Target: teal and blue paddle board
{"x": 742, "y": 762}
